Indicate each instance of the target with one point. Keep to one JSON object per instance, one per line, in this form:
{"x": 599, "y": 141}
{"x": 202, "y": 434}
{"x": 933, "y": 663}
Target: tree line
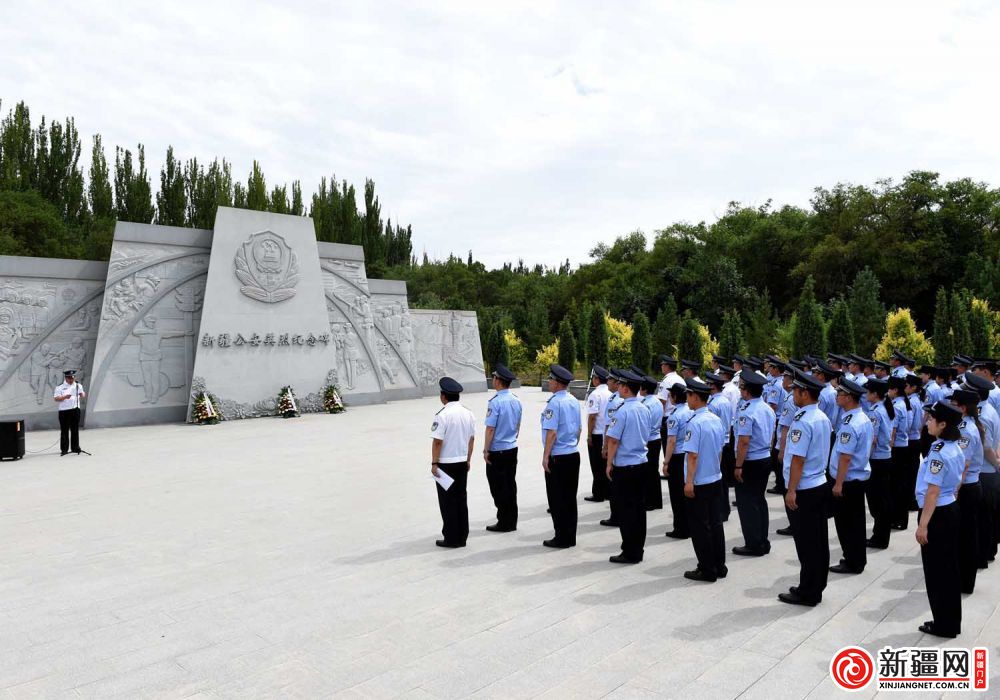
{"x": 50, "y": 208}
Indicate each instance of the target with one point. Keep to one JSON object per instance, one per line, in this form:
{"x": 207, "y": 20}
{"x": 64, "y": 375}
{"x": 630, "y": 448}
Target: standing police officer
{"x": 850, "y": 471}
{"x": 597, "y": 403}
{"x": 754, "y": 432}
{"x": 627, "y": 462}
{"x": 503, "y": 423}
{"x": 673, "y": 461}
{"x": 702, "y": 485}
{"x": 453, "y": 435}
{"x": 806, "y": 457}
{"x": 68, "y": 396}
{"x": 561, "y": 457}
{"x": 654, "y": 492}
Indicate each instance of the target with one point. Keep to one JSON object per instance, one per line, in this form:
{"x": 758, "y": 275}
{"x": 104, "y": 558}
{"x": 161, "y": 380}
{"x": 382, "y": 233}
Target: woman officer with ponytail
{"x": 970, "y": 493}
{"x": 938, "y": 526}
{"x": 882, "y": 415}
{"x": 901, "y": 489}
{"x": 917, "y": 396}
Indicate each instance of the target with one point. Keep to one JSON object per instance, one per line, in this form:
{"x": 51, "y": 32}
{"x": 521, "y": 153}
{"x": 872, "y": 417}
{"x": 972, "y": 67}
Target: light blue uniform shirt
{"x": 990, "y": 421}
{"x": 809, "y": 437}
{"x": 614, "y": 403}
{"x": 630, "y": 426}
{"x": 941, "y": 467}
{"x": 934, "y": 392}
{"x": 828, "y": 403}
{"x": 916, "y": 418}
{"x": 901, "y": 422}
{"x": 723, "y": 408}
{"x": 788, "y": 410}
{"x": 503, "y": 414}
{"x": 971, "y": 445}
{"x": 756, "y": 421}
{"x": 883, "y": 431}
{"x": 562, "y": 414}
{"x": 703, "y": 435}
{"x": 994, "y": 399}
{"x": 854, "y": 437}
{"x": 677, "y": 425}
{"x": 898, "y": 372}
{"x": 655, "y": 409}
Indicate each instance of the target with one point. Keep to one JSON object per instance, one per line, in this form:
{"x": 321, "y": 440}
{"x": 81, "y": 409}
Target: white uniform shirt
{"x": 454, "y": 425}
{"x": 663, "y": 390}
{"x": 596, "y": 404}
{"x": 75, "y": 392}
{"x": 732, "y": 392}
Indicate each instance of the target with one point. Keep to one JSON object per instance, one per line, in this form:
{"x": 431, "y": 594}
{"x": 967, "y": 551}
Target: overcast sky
{"x": 532, "y": 129}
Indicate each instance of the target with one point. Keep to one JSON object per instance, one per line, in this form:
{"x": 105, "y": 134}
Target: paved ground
{"x": 274, "y": 558}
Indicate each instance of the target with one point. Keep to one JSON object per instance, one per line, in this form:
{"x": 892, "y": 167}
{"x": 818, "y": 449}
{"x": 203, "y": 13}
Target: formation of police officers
{"x": 837, "y": 434}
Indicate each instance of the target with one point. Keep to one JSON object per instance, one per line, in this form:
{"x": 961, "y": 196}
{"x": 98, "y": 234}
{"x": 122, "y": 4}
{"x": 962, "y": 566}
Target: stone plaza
{"x": 296, "y": 559}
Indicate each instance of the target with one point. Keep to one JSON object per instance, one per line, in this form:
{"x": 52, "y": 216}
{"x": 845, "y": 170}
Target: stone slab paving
{"x": 296, "y": 559}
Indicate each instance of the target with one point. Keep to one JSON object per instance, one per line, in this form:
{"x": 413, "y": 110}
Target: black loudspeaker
{"x": 12, "y": 439}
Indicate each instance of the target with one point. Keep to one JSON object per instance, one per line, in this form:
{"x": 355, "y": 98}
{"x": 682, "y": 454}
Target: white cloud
{"x": 527, "y": 129}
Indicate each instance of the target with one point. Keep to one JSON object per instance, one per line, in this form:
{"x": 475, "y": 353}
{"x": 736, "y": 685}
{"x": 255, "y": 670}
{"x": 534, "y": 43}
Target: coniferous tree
{"x": 980, "y": 329}
{"x": 597, "y": 337}
{"x": 761, "y": 329}
{"x": 807, "y": 336}
{"x": 581, "y": 328}
{"x": 840, "y": 336}
{"x": 17, "y": 150}
{"x": 256, "y": 193}
{"x": 960, "y": 322}
{"x": 867, "y": 312}
{"x": 689, "y": 345}
{"x": 943, "y": 338}
{"x": 496, "y": 347}
{"x": 298, "y": 208}
{"x": 567, "y": 345}
{"x": 666, "y": 328}
{"x": 133, "y": 193}
{"x": 171, "y": 200}
{"x": 641, "y": 347}
{"x": 102, "y": 204}
{"x": 731, "y": 334}
{"x": 58, "y": 177}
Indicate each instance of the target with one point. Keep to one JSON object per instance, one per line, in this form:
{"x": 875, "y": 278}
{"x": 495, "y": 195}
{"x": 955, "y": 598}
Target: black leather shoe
{"x": 844, "y": 569}
{"x": 723, "y": 571}
{"x": 898, "y": 526}
{"x": 556, "y": 544}
{"x": 747, "y": 552}
{"x": 63, "y": 454}
{"x": 608, "y": 522}
{"x": 787, "y": 531}
{"x": 794, "y": 590}
{"x": 593, "y": 499}
{"x": 776, "y": 491}
{"x": 449, "y": 545}
{"x": 498, "y": 528}
{"x": 929, "y": 628}
{"x": 874, "y": 544}
{"x": 678, "y": 535}
{"x": 699, "y": 575}
{"x": 622, "y": 559}
{"x": 796, "y": 599}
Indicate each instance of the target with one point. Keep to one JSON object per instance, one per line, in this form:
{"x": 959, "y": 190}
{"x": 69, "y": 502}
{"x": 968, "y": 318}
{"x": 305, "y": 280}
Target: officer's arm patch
{"x": 687, "y": 436}
{"x": 845, "y": 438}
{"x": 936, "y": 466}
{"x": 489, "y": 411}
{"x": 434, "y": 426}
{"x": 548, "y": 413}
{"x": 672, "y": 423}
{"x": 743, "y": 420}
{"x": 795, "y": 435}
{"x": 963, "y": 442}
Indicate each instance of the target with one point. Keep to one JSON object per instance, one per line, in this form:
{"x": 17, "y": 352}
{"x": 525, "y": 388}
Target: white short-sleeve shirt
{"x": 596, "y": 403}
{"x": 75, "y": 391}
{"x": 454, "y": 425}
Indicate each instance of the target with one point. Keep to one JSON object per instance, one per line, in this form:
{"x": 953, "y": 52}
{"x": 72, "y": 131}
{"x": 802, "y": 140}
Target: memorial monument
{"x": 239, "y": 311}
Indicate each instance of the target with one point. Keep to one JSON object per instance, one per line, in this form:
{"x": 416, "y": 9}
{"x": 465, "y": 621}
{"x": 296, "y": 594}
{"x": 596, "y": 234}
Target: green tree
{"x": 171, "y": 200}
{"x": 133, "y": 195}
{"x": 960, "y": 322}
{"x": 761, "y": 328}
{"x": 496, "y": 347}
{"x": 943, "y": 337}
{"x": 102, "y": 204}
{"x": 641, "y": 348}
{"x": 807, "y": 337}
{"x": 30, "y": 225}
{"x": 731, "y": 334}
{"x": 567, "y": 345}
{"x": 17, "y": 150}
{"x": 840, "y": 334}
{"x": 980, "y": 327}
{"x": 866, "y": 311}
{"x": 257, "y": 197}
{"x": 689, "y": 345}
{"x": 901, "y": 334}
{"x": 597, "y": 337}
{"x": 666, "y": 328}
{"x": 581, "y": 326}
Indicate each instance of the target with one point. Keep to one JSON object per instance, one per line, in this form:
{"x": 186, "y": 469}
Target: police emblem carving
{"x": 267, "y": 267}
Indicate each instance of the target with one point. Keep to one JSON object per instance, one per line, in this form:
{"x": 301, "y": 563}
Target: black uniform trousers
{"x": 904, "y": 485}
{"x": 940, "y": 559}
{"x": 707, "y": 534}
{"x": 779, "y": 473}
{"x": 989, "y": 513}
{"x": 651, "y": 472}
{"x": 727, "y": 464}
{"x": 751, "y": 503}
{"x": 501, "y": 473}
{"x": 628, "y": 493}
{"x": 69, "y": 430}
{"x": 454, "y": 503}
{"x": 561, "y": 482}
{"x": 969, "y": 498}
{"x": 600, "y": 487}
{"x": 879, "y": 499}
{"x": 810, "y": 529}
{"x": 849, "y": 519}
{"x": 675, "y": 487}
{"x": 916, "y": 456}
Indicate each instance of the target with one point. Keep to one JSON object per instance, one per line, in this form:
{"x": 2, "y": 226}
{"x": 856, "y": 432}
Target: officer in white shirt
{"x": 597, "y": 403}
{"x": 668, "y": 366}
{"x": 68, "y": 395}
{"x": 453, "y": 434}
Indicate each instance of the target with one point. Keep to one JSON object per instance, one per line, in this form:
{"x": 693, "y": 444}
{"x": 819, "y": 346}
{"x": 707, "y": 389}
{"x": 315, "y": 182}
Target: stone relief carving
{"x": 154, "y": 382}
{"x": 129, "y": 295}
{"x": 267, "y": 267}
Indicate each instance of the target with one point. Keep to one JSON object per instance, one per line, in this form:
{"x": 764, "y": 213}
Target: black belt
{"x": 500, "y": 452}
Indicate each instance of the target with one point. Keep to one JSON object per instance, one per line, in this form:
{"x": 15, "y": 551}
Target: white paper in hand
{"x": 443, "y": 479}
